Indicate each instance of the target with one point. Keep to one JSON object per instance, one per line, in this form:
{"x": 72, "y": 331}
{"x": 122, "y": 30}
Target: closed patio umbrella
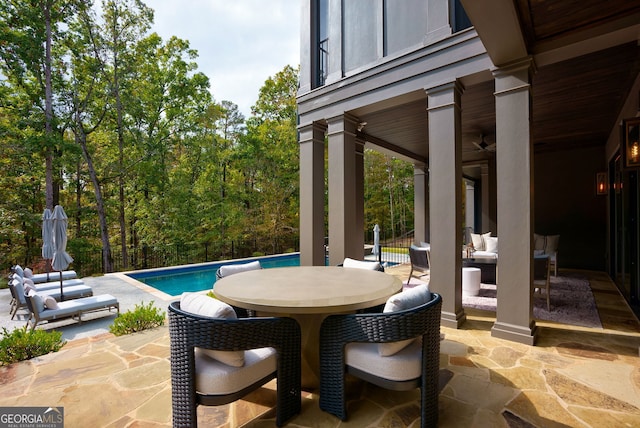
{"x": 47, "y": 238}
{"x": 376, "y": 240}
{"x": 61, "y": 259}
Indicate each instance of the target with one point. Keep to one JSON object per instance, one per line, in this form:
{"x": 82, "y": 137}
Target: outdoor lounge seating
{"x": 43, "y": 277}
{"x": 270, "y": 348}
{"x": 419, "y": 257}
{"x": 67, "y": 309}
{"x": 354, "y": 343}
{"x": 19, "y": 298}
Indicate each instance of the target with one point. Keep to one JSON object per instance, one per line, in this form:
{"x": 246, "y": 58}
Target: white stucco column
{"x": 445, "y": 199}
{"x": 345, "y": 236}
{"x": 514, "y": 170}
{"x": 312, "y": 195}
{"x": 421, "y": 204}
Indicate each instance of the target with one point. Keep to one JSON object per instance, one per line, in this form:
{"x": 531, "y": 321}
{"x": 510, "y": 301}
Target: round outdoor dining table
{"x": 308, "y": 294}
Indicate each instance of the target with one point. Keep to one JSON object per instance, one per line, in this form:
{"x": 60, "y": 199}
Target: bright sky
{"x": 240, "y": 43}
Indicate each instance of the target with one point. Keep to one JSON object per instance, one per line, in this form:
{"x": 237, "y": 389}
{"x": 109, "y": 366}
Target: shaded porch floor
{"x": 573, "y": 377}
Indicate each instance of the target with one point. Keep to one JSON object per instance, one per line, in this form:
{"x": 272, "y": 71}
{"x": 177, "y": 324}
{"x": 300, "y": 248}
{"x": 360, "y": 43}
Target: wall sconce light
{"x": 631, "y": 147}
{"x": 601, "y": 183}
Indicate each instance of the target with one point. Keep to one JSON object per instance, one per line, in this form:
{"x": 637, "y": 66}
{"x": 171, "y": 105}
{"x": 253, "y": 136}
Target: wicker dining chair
{"x": 188, "y": 331}
{"x": 337, "y": 331}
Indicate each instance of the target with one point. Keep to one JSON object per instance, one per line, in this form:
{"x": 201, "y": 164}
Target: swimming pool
{"x": 176, "y": 280}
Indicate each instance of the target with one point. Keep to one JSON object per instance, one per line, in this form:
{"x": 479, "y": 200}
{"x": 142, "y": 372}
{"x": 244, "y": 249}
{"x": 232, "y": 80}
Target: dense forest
{"x": 104, "y": 117}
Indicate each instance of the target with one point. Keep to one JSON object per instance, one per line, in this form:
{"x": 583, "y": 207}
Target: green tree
{"x": 268, "y": 159}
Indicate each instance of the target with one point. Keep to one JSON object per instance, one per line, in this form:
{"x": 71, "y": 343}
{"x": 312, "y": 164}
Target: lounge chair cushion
{"x": 50, "y": 302}
{"x": 215, "y": 378}
{"x": 359, "y": 264}
{"x": 18, "y": 269}
{"x": 405, "y": 364}
{"x": 227, "y": 270}
{"x": 201, "y": 304}
{"x": 406, "y": 299}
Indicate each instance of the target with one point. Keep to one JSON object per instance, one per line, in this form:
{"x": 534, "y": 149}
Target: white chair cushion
{"x": 201, "y": 304}
{"x": 404, "y": 365}
{"x": 407, "y": 299}
{"x": 486, "y": 254}
{"x": 359, "y": 264}
{"x": 227, "y": 270}
{"x": 425, "y": 244}
{"x": 215, "y": 378}
{"x": 28, "y": 273}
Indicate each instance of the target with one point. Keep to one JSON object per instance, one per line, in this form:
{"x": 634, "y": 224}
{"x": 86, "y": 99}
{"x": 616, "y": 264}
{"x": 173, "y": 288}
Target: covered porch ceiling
{"x": 587, "y": 59}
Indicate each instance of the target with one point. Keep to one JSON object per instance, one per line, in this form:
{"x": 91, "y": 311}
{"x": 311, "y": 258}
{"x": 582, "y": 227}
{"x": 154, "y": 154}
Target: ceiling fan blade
{"x": 491, "y": 147}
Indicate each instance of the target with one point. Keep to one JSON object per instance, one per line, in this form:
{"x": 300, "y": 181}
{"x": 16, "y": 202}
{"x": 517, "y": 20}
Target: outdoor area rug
{"x": 572, "y": 302}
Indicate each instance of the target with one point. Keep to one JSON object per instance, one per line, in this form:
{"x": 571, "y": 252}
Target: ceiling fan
{"x": 483, "y": 146}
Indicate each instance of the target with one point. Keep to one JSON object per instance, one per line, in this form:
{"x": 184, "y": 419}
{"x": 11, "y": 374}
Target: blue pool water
{"x": 174, "y": 281}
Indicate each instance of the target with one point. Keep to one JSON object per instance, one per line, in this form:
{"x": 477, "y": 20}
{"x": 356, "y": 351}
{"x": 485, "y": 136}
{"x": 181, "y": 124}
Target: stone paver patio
{"x": 574, "y": 376}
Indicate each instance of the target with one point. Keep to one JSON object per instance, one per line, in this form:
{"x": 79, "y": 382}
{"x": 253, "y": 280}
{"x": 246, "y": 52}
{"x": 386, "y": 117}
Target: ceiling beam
{"x": 498, "y": 26}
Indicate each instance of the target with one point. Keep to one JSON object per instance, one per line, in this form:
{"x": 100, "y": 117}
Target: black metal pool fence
{"x": 90, "y": 262}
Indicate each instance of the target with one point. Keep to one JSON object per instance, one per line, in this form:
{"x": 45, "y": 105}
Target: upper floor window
{"x": 321, "y": 41}
{"x": 459, "y": 18}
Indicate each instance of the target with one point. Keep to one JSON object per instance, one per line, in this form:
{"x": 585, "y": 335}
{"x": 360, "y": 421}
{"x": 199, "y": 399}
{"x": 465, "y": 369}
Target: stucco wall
{"x": 565, "y": 203}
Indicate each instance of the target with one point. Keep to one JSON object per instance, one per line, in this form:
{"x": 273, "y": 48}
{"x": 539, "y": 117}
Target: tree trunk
{"x": 48, "y": 108}
{"x": 81, "y": 139}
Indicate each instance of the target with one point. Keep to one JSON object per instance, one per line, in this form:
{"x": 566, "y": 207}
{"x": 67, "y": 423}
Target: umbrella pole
{"x": 61, "y": 292}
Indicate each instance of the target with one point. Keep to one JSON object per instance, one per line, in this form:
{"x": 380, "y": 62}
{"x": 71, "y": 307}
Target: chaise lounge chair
{"x": 67, "y": 309}
{"x": 19, "y": 298}
{"x": 43, "y": 277}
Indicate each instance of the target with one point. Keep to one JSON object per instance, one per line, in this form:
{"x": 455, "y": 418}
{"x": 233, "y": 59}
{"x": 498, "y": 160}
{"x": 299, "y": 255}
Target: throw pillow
{"x": 201, "y": 304}
{"x": 227, "y": 270}
{"x": 491, "y": 244}
{"x": 406, "y": 299}
{"x": 358, "y": 264}
{"x": 551, "y": 245}
{"x": 50, "y": 302}
{"x": 477, "y": 241}
{"x": 28, "y": 273}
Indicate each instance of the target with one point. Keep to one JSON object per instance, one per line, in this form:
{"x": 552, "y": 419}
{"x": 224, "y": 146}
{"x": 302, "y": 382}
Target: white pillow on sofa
{"x": 201, "y": 304}
{"x": 491, "y": 244}
{"x": 406, "y": 299}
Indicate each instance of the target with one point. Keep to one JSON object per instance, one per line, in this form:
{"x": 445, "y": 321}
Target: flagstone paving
{"x": 573, "y": 377}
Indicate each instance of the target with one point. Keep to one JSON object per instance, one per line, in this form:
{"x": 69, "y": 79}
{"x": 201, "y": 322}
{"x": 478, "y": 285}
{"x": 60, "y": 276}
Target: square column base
{"x": 515, "y": 333}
